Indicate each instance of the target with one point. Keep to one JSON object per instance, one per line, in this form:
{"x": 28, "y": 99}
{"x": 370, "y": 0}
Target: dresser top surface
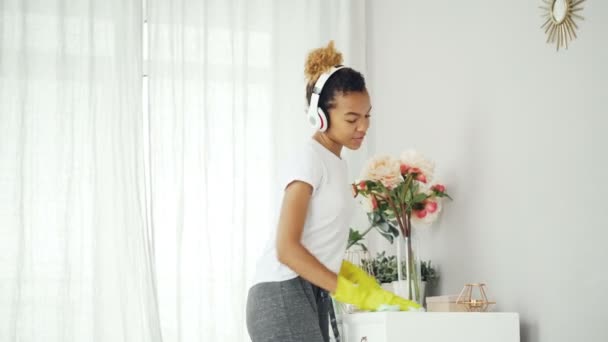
{"x": 369, "y": 317}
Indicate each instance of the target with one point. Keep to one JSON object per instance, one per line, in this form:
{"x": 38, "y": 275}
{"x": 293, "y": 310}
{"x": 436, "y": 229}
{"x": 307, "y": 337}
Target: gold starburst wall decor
{"x": 560, "y": 16}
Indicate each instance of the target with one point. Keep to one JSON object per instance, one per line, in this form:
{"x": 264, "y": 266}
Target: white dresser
{"x": 431, "y": 327}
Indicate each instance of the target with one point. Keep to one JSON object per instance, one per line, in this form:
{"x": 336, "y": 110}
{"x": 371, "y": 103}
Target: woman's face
{"x": 349, "y": 119}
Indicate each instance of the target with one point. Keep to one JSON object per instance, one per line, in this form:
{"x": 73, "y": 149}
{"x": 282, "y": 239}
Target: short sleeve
{"x": 306, "y": 167}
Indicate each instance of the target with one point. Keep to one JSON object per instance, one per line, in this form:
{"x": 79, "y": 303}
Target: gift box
{"x": 445, "y": 303}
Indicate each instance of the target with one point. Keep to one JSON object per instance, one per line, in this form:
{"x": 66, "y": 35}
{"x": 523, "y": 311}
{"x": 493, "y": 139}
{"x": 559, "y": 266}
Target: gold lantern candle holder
{"x": 472, "y": 302}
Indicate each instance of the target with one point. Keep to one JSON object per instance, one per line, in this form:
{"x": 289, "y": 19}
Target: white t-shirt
{"x": 325, "y": 232}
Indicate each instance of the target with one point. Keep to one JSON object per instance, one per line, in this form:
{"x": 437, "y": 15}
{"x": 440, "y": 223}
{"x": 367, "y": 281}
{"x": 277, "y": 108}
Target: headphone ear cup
{"x": 313, "y": 119}
{"x": 323, "y": 123}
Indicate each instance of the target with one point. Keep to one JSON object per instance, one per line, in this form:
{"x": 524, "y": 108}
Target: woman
{"x": 290, "y": 301}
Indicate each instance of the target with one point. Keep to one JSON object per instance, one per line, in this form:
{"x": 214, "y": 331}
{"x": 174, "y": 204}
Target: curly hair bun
{"x": 321, "y": 60}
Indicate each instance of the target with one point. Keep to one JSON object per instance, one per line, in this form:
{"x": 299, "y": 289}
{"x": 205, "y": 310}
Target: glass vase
{"x": 409, "y": 282}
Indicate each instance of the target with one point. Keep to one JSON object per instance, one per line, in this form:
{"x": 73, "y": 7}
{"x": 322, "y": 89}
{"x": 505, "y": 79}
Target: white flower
{"x": 383, "y": 169}
{"x": 414, "y": 159}
{"x": 429, "y": 217}
{"x": 431, "y": 211}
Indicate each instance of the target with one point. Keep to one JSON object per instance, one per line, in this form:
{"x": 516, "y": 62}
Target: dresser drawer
{"x": 364, "y": 333}
{"x": 431, "y": 327}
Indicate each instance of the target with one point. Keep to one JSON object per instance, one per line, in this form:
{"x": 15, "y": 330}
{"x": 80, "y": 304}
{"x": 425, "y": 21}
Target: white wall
{"x": 518, "y": 134}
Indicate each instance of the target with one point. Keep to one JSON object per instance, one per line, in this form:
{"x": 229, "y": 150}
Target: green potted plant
{"x": 429, "y": 276}
{"x": 384, "y": 268}
{"x": 428, "y": 273}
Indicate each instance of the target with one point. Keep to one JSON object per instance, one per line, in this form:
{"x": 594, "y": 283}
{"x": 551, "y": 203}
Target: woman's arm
{"x": 290, "y": 250}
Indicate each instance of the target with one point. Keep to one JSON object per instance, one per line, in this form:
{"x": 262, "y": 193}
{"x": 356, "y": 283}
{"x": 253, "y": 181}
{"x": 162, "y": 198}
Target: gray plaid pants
{"x": 293, "y": 310}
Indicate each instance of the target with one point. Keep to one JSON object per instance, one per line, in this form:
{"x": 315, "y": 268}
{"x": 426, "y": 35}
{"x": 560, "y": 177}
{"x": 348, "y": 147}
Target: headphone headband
{"x": 323, "y": 79}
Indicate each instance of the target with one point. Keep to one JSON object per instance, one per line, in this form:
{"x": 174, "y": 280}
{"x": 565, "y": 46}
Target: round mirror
{"x": 559, "y": 8}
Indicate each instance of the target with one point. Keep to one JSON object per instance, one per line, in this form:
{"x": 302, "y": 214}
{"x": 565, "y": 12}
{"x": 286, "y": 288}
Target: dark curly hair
{"x": 341, "y": 82}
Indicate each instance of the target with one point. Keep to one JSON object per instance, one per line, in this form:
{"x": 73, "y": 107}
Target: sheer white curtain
{"x": 74, "y": 249}
{"x": 97, "y": 200}
{"x": 226, "y": 90}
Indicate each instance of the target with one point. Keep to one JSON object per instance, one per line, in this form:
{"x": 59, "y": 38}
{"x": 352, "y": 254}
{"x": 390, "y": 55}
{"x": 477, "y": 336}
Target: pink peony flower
{"x": 362, "y": 185}
{"x": 385, "y": 170}
{"x": 438, "y": 188}
{"x": 421, "y": 178}
{"x": 430, "y": 207}
{"x": 420, "y": 213}
{"x": 418, "y": 164}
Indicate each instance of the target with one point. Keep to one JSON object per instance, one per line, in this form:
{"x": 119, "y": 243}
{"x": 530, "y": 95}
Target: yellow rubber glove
{"x": 368, "y": 297}
{"x": 357, "y": 275}
{"x": 406, "y": 305}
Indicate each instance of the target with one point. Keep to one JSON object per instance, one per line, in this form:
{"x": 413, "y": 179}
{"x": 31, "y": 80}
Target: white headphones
{"x": 317, "y": 118}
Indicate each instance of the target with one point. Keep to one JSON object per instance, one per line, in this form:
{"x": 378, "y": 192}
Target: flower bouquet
{"x": 397, "y": 193}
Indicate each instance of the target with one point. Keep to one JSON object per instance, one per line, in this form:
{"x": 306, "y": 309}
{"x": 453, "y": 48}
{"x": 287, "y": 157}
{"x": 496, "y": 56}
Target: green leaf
{"x": 375, "y": 218}
{"x": 420, "y": 197}
{"x": 354, "y": 235}
{"x": 443, "y": 194}
{"x": 383, "y": 226}
{"x": 394, "y": 231}
{"x": 352, "y": 240}
{"x": 408, "y": 197}
{"x": 362, "y": 245}
{"x": 386, "y": 234}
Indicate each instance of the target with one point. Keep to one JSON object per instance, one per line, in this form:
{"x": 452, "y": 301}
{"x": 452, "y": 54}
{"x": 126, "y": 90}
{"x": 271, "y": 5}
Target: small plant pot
{"x": 387, "y": 286}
